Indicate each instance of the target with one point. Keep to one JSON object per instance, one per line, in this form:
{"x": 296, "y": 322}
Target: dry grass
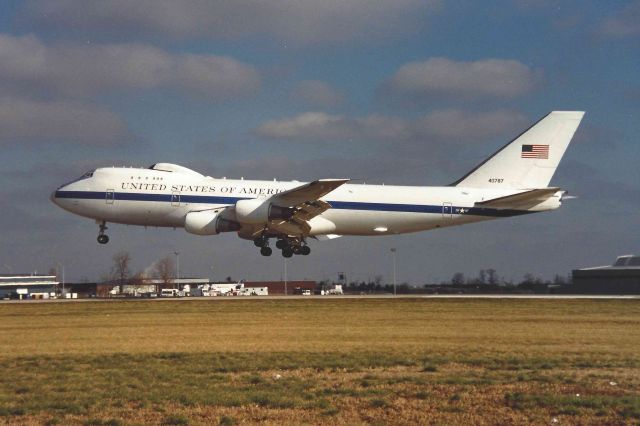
{"x": 336, "y": 361}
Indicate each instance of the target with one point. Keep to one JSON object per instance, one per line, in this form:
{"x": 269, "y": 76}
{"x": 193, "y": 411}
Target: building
{"x": 143, "y": 287}
{"x": 278, "y": 287}
{"x": 623, "y": 277}
{"x": 24, "y": 286}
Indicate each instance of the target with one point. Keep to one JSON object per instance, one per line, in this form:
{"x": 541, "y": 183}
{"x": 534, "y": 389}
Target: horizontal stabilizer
{"x": 522, "y": 200}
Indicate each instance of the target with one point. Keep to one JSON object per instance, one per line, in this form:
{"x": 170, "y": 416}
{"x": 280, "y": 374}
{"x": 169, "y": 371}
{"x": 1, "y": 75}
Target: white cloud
{"x": 445, "y": 78}
{"x": 435, "y": 127}
{"x": 290, "y": 21}
{"x": 27, "y": 121}
{"x": 27, "y": 64}
{"x": 625, "y": 23}
{"x": 454, "y": 124}
{"x": 317, "y": 94}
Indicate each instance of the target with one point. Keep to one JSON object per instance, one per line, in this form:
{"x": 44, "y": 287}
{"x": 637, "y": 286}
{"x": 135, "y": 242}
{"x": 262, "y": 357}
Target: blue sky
{"x": 402, "y": 92}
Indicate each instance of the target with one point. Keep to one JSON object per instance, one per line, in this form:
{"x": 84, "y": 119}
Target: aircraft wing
{"x": 308, "y": 192}
{"x": 305, "y": 200}
{"x": 521, "y": 200}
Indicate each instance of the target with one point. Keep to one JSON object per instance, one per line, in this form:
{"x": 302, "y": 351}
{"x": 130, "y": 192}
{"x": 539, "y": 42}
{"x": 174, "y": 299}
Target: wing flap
{"x": 521, "y": 200}
{"x": 305, "y": 200}
{"x": 306, "y": 204}
{"x": 311, "y": 191}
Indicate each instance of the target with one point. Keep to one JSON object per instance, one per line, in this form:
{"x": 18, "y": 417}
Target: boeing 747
{"x": 514, "y": 181}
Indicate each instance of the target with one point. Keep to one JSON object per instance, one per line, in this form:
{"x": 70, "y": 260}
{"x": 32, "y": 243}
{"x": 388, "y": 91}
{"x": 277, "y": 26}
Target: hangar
{"x": 623, "y": 277}
{"x": 23, "y": 286}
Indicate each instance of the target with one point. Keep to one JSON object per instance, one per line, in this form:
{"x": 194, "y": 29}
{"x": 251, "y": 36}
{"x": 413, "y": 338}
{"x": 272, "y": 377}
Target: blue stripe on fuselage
{"x": 339, "y": 205}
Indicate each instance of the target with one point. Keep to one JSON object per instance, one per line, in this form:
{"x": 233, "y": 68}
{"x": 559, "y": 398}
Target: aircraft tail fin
{"x": 531, "y": 159}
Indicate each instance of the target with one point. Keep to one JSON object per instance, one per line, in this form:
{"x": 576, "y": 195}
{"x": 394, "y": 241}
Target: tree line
{"x": 121, "y": 273}
{"x": 486, "y": 281}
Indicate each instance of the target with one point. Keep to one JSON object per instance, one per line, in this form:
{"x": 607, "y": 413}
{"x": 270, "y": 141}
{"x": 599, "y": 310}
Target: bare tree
{"x": 137, "y": 279}
{"x": 559, "y": 279}
{"x": 458, "y": 278}
{"x": 530, "y": 279}
{"x": 492, "y": 277}
{"x": 164, "y": 269}
{"x": 121, "y": 271}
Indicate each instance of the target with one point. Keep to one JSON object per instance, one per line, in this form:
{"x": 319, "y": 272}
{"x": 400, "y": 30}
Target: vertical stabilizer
{"x": 531, "y": 159}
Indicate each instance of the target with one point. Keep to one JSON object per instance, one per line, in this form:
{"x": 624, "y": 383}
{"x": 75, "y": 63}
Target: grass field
{"x": 335, "y": 361}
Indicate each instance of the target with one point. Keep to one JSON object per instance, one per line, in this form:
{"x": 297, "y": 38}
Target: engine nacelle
{"x": 208, "y": 222}
{"x": 257, "y": 211}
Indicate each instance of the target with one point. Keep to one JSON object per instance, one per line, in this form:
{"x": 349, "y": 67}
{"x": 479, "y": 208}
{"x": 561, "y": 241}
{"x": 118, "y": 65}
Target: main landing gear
{"x": 263, "y": 243}
{"x": 102, "y": 237}
{"x": 289, "y": 246}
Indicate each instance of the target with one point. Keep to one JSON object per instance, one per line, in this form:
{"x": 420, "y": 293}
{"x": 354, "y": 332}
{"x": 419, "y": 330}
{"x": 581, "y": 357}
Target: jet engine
{"x": 257, "y": 211}
{"x": 209, "y": 222}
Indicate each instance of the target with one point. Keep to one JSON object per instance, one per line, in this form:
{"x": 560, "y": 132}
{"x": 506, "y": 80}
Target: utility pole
{"x": 177, "y": 253}
{"x": 393, "y": 254}
{"x": 285, "y": 276}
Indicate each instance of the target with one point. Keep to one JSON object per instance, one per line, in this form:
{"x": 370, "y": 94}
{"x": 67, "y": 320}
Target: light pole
{"x": 285, "y": 276}
{"x": 177, "y": 253}
{"x": 60, "y": 264}
{"x": 393, "y": 254}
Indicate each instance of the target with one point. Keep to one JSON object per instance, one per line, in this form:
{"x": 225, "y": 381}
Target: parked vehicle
{"x": 169, "y": 292}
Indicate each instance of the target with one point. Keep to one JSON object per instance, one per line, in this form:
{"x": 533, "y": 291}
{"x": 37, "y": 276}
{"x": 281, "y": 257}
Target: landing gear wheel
{"x": 266, "y": 251}
{"x": 297, "y": 250}
{"x": 287, "y": 252}
{"x": 102, "y": 238}
{"x": 259, "y": 242}
{"x": 281, "y": 244}
{"x": 305, "y": 250}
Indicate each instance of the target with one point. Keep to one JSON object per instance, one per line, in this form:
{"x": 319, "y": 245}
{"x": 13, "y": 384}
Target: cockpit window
{"x": 621, "y": 261}
{"x": 84, "y": 176}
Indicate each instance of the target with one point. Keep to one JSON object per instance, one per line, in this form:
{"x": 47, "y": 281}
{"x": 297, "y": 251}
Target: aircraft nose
{"x": 55, "y": 195}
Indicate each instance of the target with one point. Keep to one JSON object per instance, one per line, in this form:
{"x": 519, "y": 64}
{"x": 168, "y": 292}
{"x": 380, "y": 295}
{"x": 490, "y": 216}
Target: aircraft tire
{"x": 287, "y": 252}
{"x": 305, "y": 250}
{"x": 266, "y": 251}
{"x": 103, "y": 239}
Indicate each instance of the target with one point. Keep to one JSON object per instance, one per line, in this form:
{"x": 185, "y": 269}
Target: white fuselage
{"x": 158, "y": 198}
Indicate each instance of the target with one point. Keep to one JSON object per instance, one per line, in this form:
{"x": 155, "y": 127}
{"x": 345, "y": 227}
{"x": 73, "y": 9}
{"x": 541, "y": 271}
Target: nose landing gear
{"x": 102, "y": 237}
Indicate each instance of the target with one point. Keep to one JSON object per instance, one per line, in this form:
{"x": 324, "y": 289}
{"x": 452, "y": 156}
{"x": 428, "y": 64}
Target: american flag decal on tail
{"x": 535, "y": 151}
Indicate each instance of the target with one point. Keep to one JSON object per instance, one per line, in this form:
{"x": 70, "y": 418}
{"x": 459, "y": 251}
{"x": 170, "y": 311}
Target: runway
{"x": 346, "y": 296}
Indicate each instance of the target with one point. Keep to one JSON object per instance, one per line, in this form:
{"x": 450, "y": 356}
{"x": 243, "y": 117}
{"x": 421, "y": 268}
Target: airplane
{"x": 513, "y": 181}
